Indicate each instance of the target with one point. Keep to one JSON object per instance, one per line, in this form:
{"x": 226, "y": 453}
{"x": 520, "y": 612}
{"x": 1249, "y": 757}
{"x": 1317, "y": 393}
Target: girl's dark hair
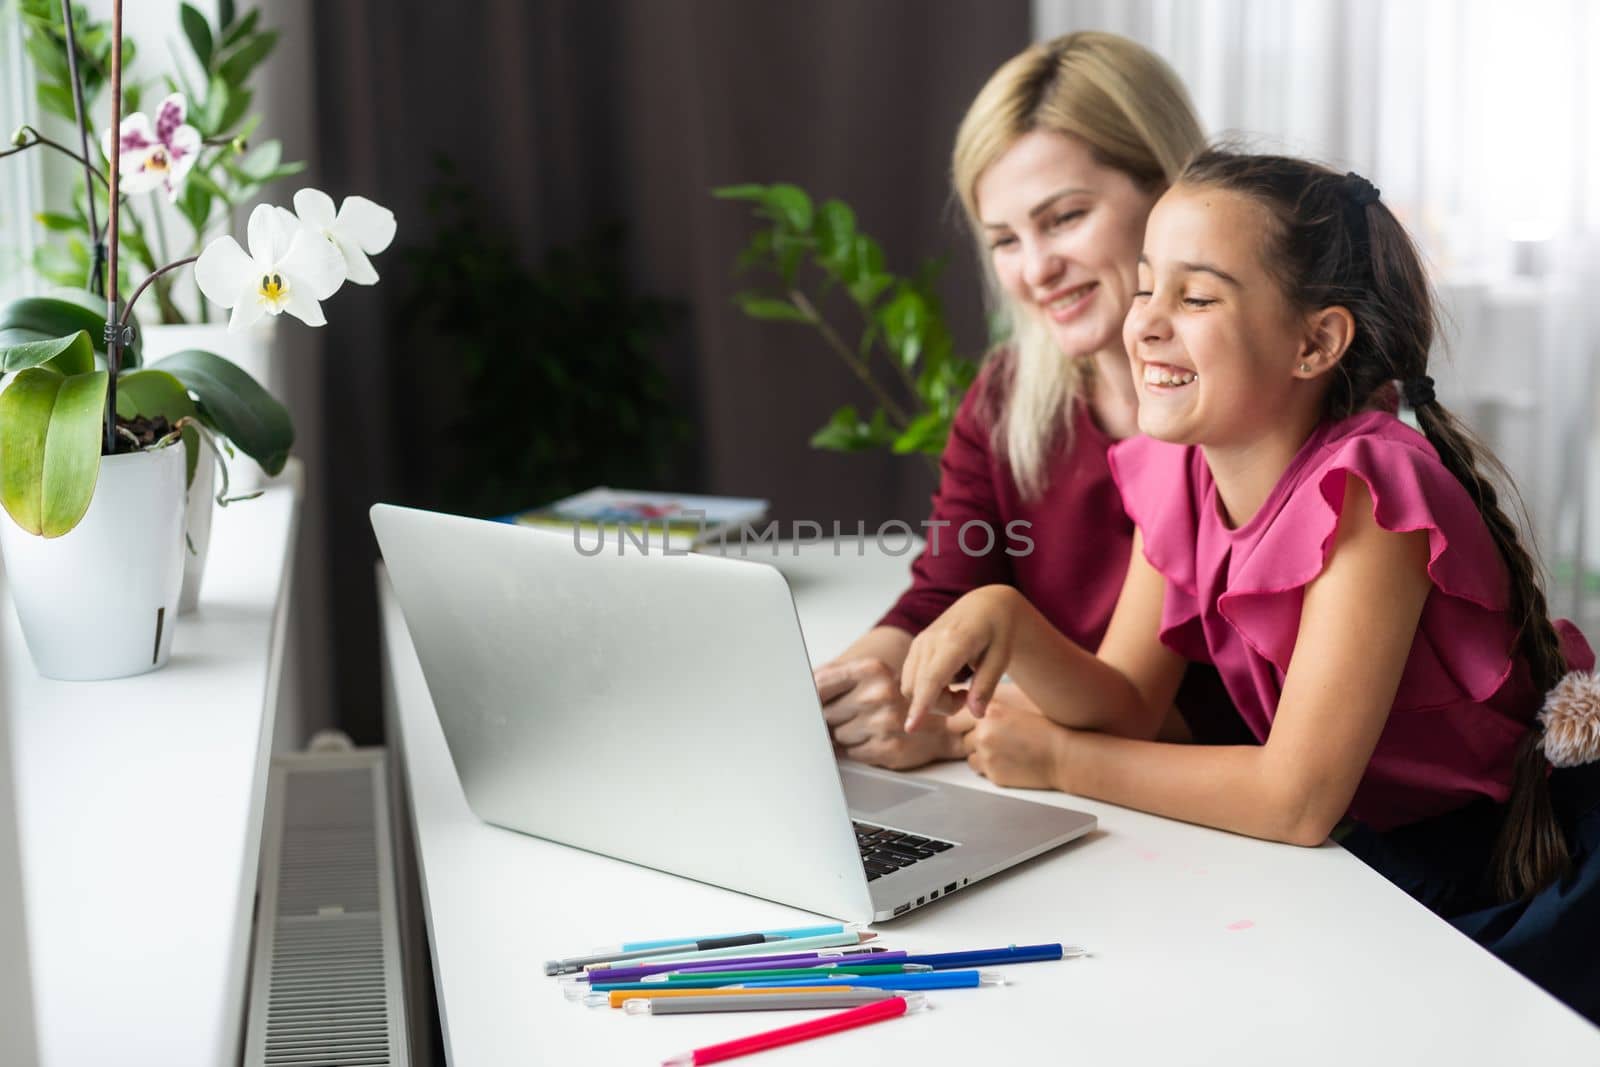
{"x": 1331, "y": 242}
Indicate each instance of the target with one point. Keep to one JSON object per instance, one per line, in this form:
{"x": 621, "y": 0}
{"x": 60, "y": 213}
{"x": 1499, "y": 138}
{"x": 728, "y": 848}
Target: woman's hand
{"x": 1015, "y": 746}
{"x": 864, "y": 708}
{"x": 977, "y": 632}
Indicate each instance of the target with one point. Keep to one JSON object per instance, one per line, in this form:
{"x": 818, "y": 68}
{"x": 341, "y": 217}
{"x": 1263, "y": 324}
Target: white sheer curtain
{"x": 18, "y": 174}
{"x": 1481, "y": 124}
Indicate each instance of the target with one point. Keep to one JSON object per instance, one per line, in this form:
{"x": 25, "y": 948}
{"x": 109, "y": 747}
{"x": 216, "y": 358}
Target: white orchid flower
{"x": 360, "y": 229}
{"x": 287, "y": 269}
{"x": 148, "y": 158}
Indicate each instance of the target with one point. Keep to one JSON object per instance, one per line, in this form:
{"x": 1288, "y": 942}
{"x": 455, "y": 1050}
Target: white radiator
{"x": 325, "y": 986}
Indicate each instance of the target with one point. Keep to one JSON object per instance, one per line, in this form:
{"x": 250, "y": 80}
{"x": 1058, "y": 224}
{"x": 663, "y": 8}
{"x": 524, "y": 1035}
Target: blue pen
{"x": 987, "y": 957}
{"x": 798, "y": 931}
{"x": 922, "y": 980}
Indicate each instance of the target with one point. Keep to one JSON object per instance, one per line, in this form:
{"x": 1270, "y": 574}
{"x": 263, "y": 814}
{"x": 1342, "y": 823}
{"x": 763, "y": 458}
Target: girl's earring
{"x": 1305, "y": 368}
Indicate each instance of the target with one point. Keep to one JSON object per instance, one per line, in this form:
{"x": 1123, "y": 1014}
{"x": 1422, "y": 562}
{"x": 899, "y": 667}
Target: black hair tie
{"x": 1360, "y": 191}
{"x": 1418, "y": 392}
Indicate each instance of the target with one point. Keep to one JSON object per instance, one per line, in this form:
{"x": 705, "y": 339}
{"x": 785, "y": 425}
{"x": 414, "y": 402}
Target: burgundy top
{"x": 1233, "y": 599}
{"x": 1080, "y": 536}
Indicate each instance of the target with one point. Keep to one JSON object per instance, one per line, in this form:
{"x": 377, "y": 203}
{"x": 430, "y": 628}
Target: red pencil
{"x": 788, "y": 1035}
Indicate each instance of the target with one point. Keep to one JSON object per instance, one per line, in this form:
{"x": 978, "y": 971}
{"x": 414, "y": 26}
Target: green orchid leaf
{"x": 153, "y": 392}
{"x": 50, "y": 428}
{"x": 63, "y": 312}
{"x": 239, "y": 408}
{"x": 198, "y": 31}
{"x": 66, "y": 355}
{"x": 225, "y": 16}
{"x": 769, "y": 309}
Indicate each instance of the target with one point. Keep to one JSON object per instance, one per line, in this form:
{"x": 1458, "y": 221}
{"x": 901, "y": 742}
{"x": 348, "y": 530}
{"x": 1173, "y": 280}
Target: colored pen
{"x": 618, "y": 997}
{"x": 784, "y": 1001}
{"x": 924, "y": 980}
{"x": 992, "y": 956}
{"x": 892, "y": 1008}
{"x": 791, "y": 972}
{"x": 577, "y": 963}
{"x": 732, "y": 963}
{"x": 757, "y": 963}
{"x": 850, "y": 938}
{"x": 667, "y": 942}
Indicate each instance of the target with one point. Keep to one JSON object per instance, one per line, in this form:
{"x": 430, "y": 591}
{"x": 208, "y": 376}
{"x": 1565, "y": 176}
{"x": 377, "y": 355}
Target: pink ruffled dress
{"x": 1233, "y": 599}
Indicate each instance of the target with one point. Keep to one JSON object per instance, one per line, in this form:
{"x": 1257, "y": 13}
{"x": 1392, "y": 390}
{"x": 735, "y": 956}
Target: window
{"x": 19, "y": 173}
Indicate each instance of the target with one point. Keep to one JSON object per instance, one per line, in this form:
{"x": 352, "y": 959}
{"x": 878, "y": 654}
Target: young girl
{"x": 1366, "y": 599}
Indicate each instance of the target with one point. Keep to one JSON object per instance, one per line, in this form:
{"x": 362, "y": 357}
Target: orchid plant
{"x": 188, "y": 161}
{"x": 76, "y": 355}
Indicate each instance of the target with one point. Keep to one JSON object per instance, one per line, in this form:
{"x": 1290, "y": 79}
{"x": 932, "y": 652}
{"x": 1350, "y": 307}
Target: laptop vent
{"x": 326, "y": 986}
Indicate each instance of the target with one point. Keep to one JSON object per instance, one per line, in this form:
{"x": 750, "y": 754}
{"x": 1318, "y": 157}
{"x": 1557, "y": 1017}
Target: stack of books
{"x": 636, "y": 519}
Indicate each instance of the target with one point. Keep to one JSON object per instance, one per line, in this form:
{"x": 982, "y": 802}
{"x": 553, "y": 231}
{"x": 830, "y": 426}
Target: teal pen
{"x": 846, "y": 938}
{"x": 923, "y": 980}
{"x": 668, "y": 942}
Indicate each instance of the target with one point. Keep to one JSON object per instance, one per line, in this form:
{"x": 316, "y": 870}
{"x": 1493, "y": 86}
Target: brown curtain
{"x": 563, "y": 115}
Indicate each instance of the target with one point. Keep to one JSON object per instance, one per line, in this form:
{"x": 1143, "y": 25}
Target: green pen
{"x": 791, "y": 972}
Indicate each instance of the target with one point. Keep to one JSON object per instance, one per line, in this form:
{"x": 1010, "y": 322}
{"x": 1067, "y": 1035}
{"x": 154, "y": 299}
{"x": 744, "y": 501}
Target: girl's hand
{"x": 1017, "y": 747}
{"x": 977, "y": 632}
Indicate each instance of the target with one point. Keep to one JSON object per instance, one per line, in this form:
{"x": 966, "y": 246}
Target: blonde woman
{"x": 1058, "y": 162}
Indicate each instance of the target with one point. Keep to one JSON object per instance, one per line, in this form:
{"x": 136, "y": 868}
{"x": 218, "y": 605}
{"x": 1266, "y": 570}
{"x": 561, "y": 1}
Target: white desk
{"x": 139, "y": 805}
{"x": 1209, "y": 948}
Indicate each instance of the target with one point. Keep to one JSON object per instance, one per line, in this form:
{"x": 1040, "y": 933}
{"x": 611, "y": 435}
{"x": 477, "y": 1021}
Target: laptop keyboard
{"x": 884, "y": 851}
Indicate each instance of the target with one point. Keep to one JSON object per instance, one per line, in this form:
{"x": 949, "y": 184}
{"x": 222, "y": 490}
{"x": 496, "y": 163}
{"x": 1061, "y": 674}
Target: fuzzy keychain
{"x": 1571, "y": 720}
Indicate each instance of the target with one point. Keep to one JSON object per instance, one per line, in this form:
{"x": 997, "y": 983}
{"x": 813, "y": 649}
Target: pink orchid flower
{"x": 159, "y": 157}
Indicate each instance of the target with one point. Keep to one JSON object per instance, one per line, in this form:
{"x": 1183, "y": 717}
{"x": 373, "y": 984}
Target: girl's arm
{"x": 1357, "y": 624}
{"x": 1126, "y": 689}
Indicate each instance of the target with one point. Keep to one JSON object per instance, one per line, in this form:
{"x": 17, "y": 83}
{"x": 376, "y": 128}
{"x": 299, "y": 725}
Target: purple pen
{"x": 629, "y": 974}
{"x": 761, "y": 964}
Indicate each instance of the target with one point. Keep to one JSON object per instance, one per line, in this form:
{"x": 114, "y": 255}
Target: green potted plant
{"x": 188, "y": 171}
{"x": 901, "y": 350}
{"x": 92, "y": 475}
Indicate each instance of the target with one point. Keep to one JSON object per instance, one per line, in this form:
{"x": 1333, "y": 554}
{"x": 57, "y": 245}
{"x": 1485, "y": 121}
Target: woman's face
{"x": 1212, "y": 340}
{"x": 1063, "y": 232}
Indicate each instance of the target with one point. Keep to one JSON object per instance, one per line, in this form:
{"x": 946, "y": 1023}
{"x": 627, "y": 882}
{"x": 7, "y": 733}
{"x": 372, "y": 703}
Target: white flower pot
{"x": 101, "y": 601}
{"x": 197, "y": 527}
{"x": 250, "y": 351}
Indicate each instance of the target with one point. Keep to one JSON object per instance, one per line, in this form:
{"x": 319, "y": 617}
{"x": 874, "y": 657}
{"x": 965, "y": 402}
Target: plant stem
{"x": 857, "y": 365}
{"x": 113, "y": 326}
{"x": 48, "y": 143}
{"x": 97, "y": 261}
{"x": 134, "y": 299}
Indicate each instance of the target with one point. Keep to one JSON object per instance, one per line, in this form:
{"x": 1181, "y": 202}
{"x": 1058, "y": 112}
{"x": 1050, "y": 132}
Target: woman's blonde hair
{"x": 1128, "y": 106}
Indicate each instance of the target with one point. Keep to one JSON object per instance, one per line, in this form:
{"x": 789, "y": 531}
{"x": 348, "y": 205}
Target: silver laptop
{"x": 660, "y": 709}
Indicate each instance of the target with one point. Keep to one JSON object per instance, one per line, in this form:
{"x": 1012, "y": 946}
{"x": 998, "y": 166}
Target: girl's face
{"x": 1063, "y": 233}
{"x": 1212, "y": 340}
